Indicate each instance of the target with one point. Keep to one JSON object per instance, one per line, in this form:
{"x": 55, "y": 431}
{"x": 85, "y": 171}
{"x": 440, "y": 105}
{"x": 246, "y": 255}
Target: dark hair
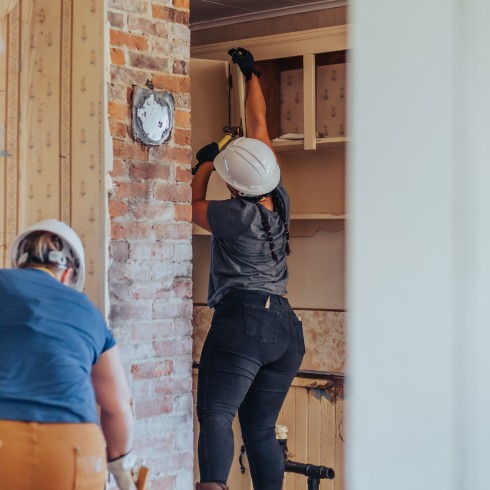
{"x": 36, "y": 247}
{"x": 280, "y": 208}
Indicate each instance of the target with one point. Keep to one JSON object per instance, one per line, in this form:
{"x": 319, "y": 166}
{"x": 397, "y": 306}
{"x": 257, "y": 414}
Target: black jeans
{"x": 248, "y": 362}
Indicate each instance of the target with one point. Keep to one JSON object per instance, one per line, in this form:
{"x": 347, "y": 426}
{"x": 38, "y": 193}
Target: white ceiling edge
{"x": 267, "y": 14}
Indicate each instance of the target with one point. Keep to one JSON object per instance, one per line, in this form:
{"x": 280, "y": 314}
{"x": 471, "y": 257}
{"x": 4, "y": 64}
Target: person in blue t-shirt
{"x": 255, "y": 345}
{"x": 58, "y": 360}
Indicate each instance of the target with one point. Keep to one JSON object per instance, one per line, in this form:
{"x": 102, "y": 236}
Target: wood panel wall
{"x": 51, "y": 73}
{"x": 314, "y": 414}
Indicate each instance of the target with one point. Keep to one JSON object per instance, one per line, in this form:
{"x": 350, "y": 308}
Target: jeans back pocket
{"x": 299, "y": 330}
{"x": 262, "y": 324}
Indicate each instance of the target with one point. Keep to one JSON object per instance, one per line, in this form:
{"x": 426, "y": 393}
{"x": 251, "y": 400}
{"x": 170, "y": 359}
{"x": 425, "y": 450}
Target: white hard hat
{"x": 249, "y": 166}
{"x": 72, "y": 247}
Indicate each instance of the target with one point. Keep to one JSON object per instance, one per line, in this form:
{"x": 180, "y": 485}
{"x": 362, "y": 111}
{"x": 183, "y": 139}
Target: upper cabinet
{"x": 306, "y": 100}
{"x": 304, "y": 79}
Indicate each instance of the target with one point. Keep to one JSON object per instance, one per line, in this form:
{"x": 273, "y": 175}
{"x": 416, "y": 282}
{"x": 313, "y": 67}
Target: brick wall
{"x": 150, "y": 250}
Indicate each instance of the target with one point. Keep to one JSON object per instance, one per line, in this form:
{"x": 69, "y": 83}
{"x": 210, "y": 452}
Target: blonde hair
{"x": 35, "y": 248}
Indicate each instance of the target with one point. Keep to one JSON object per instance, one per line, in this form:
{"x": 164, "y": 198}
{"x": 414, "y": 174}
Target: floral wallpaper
{"x": 324, "y": 332}
{"x": 292, "y": 118}
{"x": 330, "y": 101}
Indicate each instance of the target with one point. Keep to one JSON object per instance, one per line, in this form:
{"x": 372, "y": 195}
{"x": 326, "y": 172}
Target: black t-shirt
{"x": 240, "y": 253}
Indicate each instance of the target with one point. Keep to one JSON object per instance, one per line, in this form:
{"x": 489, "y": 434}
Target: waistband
{"x": 255, "y": 297}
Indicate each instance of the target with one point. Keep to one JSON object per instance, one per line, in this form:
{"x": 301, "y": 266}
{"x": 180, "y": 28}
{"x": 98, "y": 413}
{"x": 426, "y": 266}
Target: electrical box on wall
{"x": 153, "y": 116}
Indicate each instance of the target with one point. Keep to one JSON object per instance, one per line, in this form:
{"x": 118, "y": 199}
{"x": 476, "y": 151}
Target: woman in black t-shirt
{"x": 255, "y": 345}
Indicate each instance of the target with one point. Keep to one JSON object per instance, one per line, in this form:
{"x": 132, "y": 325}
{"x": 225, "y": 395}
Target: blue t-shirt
{"x": 50, "y": 337}
{"x": 240, "y": 252}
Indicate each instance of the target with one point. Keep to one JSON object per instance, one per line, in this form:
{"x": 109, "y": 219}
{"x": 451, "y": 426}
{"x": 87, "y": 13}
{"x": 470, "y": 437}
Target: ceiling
{"x": 213, "y": 13}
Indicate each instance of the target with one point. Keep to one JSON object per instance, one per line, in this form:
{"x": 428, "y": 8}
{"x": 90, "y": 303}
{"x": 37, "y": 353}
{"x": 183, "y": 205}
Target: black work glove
{"x": 245, "y": 60}
{"x": 206, "y": 154}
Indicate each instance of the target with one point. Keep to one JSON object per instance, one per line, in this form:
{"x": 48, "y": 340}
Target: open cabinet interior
{"x": 306, "y": 115}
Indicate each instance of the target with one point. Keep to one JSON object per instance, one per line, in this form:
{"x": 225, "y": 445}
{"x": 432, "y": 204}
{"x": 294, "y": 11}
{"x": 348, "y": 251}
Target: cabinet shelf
{"x": 302, "y": 224}
{"x": 318, "y": 216}
{"x": 307, "y": 225}
{"x": 321, "y": 143}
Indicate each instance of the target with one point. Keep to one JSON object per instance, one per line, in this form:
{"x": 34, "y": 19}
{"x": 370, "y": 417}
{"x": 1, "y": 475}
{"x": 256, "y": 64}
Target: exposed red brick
{"x": 183, "y": 212}
{"x": 183, "y": 174}
{"x": 174, "y": 462}
{"x": 150, "y": 290}
{"x": 152, "y": 330}
{"x": 172, "y": 310}
{"x": 181, "y": 366}
{"x": 119, "y": 130}
{"x": 148, "y": 27}
{"x": 154, "y": 369}
{"x": 174, "y": 231}
{"x": 130, "y": 230}
{"x": 152, "y": 211}
{"x": 181, "y": 17}
{"x": 126, "y": 190}
{"x": 154, "y": 407}
{"x": 182, "y": 137}
{"x": 125, "y": 311}
{"x": 172, "y": 83}
{"x": 118, "y": 208}
{"x": 180, "y": 67}
{"x": 133, "y": 151}
{"x": 160, "y": 12}
{"x": 117, "y": 92}
{"x": 146, "y": 170}
{"x": 172, "y": 192}
{"x": 118, "y": 111}
{"x": 132, "y": 41}
{"x": 148, "y": 62}
{"x": 115, "y": 19}
{"x": 119, "y": 251}
{"x": 119, "y": 168}
{"x": 182, "y": 328}
{"x": 158, "y": 251}
{"x": 182, "y": 101}
{"x": 168, "y": 348}
{"x": 150, "y": 273}
{"x": 139, "y": 6}
{"x": 183, "y": 289}
{"x": 128, "y": 76}
{"x": 170, "y": 14}
{"x": 119, "y": 292}
{"x": 164, "y": 483}
{"x": 166, "y": 153}
{"x": 183, "y": 119}
{"x": 182, "y": 252}
{"x": 117, "y": 57}
{"x": 130, "y": 271}
{"x": 173, "y": 386}
{"x": 182, "y": 4}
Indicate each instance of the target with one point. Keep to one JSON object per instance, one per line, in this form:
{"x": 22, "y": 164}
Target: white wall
{"x": 419, "y": 240}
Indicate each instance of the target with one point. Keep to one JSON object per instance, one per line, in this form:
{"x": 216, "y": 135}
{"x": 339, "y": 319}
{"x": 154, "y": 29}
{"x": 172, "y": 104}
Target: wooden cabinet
{"x": 313, "y": 167}
{"x": 310, "y": 135}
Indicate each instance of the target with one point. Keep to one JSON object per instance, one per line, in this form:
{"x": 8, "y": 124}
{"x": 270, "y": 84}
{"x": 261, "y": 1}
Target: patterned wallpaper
{"x": 324, "y": 337}
{"x": 330, "y": 101}
{"x": 52, "y": 123}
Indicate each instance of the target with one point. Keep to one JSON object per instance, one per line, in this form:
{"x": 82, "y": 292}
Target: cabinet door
{"x": 213, "y": 107}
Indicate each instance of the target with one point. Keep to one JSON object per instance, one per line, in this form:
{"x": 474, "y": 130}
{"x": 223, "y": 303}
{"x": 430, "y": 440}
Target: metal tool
{"x": 313, "y": 472}
{"x": 231, "y": 132}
